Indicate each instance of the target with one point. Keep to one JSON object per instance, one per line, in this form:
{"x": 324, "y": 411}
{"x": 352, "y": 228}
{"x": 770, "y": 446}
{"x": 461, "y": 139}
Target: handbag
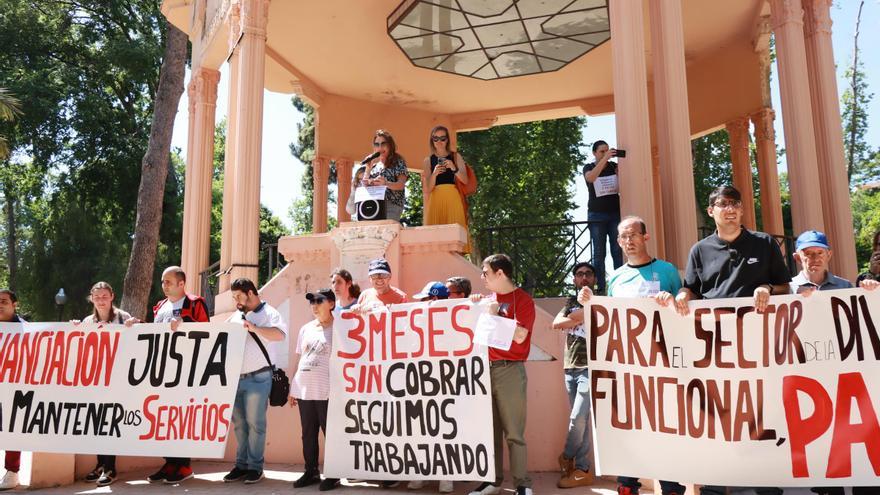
{"x": 280, "y": 382}
{"x": 471, "y": 187}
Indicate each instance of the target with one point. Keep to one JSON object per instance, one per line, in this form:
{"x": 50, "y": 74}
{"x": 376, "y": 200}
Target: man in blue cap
{"x": 814, "y": 253}
{"x": 432, "y": 292}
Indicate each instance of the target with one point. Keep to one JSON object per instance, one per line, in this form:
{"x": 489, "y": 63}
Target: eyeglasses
{"x": 626, "y": 237}
{"x": 377, "y": 144}
{"x": 736, "y": 204}
{"x": 584, "y": 273}
{"x": 318, "y": 300}
{"x": 379, "y": 276}
{"x": 439, "y": 138}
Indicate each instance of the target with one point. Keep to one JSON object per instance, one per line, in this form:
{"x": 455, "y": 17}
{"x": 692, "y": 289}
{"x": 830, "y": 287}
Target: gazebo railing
{"x": 542, "y": 254}
{"x": 209, "y": 278}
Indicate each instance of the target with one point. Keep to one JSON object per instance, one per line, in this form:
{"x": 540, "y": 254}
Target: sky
{"x": 281, "y": 172}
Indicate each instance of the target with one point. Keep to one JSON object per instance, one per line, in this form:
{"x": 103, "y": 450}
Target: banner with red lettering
{"x": 728, "y": 396}
{"x": 144, "y": 390}
{"x": 410, "y": 395}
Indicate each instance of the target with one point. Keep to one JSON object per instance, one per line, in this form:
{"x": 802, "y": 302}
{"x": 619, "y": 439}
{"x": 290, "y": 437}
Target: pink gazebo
{"x": 670, "y": 71}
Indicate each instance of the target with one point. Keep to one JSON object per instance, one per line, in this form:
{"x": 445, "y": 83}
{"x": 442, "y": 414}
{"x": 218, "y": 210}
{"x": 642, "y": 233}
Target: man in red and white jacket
{"x": 177, "y": 307}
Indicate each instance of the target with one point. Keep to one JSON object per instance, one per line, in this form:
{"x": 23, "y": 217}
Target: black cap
{"x": 379, "y": 267}
{"x": 321, "y": 294}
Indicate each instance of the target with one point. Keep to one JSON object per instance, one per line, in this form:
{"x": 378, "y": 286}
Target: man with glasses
{"x": 574, "y": 461}
{"x": 459, "y": 287}
{"x": 641, "y": 276}
{"x": 733, "y": 262}
{"x": 382, "y": 292}
{"x": 507, "y": 371}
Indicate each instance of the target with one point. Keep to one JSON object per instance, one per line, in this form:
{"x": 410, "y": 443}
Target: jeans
{"x": 249, "y": 419}
{"x": 603, "y": 227}
{"x": 667, "y": 487}
{"x": 312, "y": 417}
{"x": 509, "y": 419}
{"x": 577, "y": 442}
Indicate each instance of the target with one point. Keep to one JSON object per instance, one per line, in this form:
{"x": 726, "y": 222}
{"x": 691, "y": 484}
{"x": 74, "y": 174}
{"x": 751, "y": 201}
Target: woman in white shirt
{"x": 310, "y": 387}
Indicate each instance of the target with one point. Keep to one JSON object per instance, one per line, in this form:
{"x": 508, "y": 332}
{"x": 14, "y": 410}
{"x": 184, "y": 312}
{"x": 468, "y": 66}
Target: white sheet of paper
{"x": 369, "y": 192}
{"x": 494, "y": 331}
{"x": 606, "y": 185}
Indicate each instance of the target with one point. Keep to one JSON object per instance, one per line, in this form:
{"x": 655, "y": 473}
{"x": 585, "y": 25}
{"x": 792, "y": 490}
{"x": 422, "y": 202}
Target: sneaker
{"x": 626, "y": 490}
{"x": 253, "y": 476}
{"x": 415, "y": 485}
{"x": 181, "y": 473}
{"x": 95, "y": 474}
{"x": 308, "y": 478}
{"x": 236, "y": 474}
{"x": 446, "y": 486}
{"x": 10, "y": 481}
{"x": 576, "y": 478}
{"x": 107, "y": 478}
{"x": 389, "y": 483}
{"x": 328, "y": 484}
{"x": 162, "y": 474}
{"x": 523, "y": 490}
{"x": 566, "y": 465}
{"x": 486, "y": 488}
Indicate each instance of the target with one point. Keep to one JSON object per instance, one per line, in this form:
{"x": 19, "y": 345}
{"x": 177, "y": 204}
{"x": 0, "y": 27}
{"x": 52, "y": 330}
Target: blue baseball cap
{"x": 433, "y": 289}
{"x": 812, "y": 238}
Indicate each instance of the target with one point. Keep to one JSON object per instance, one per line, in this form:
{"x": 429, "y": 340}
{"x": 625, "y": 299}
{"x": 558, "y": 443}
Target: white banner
{"x": 728, "y": 396}
{"x": 144, "y": 390}
{"x": 410, "y": 395}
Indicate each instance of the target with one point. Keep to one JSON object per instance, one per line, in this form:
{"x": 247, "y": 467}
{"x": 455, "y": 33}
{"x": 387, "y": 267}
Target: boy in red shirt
{"x": 508, "y": 373}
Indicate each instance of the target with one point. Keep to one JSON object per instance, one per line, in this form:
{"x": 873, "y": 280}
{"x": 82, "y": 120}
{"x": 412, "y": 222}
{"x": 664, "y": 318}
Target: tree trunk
{"x": 854, "y": 115}
{"x": 11, "y": 242}
{"x": 154, "y": 171}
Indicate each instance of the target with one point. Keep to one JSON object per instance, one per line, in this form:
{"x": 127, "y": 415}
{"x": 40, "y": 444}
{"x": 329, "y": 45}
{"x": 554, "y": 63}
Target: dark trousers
{"x": 13, "y": 461}
{"x": 666, "y": 486}
{"x": 312, "y": 416}
{"x": 108, "y": 462}
{"x": 178, "y": 461}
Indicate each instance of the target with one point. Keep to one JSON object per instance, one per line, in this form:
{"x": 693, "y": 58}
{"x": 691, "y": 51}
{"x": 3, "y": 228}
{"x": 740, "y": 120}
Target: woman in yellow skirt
{"x": 444, "y": 204}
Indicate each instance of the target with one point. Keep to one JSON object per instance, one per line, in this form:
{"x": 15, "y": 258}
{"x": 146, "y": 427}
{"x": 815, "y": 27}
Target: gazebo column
{"x": 768, "y": 175}
{"x": 229, "y": 159}
{"x": 738, "y": 134}
{"x": 797, "y": 116}
{"x": 202, "y": 94}
{"x": 343, "y": 188}
{"x": 320, "y": 174}
{"x": 248, "y": 139}
{"x": 673, "y": 131}
{"x": 834, "y": 183}
{"x": 631, "y": 110}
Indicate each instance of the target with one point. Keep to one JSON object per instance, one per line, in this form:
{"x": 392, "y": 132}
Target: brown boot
{"x": 576, "y": 478}
{"x": 566, "y": 465}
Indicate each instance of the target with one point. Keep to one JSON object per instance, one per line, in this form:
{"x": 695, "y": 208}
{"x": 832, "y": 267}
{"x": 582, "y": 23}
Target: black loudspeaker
{"x": 372, "y": 209}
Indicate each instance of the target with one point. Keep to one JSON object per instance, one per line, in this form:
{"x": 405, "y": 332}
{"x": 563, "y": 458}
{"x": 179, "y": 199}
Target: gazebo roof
{"x": 342, "y": 48}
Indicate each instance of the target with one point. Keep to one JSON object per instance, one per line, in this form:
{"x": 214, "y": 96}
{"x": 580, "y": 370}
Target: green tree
{"x": 87, "y": 72}
{"x": 854, "y": 113}
{"x": 865, "y": 206}
{"x": 526, "y": 175}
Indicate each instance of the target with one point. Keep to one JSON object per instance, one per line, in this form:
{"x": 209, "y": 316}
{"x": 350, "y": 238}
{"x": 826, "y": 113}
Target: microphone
{"x": 371, "y": 158}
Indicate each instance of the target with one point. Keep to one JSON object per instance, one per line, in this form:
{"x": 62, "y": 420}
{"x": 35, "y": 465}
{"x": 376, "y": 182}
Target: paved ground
{"x": 279, "y": 479}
